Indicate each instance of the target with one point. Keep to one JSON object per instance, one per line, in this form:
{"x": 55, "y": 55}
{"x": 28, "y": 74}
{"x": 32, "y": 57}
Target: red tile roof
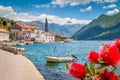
{"x": 28, "y": 30}
{"x": 20, "y": 33}
{"x": 35, "y": 27}
{"x": 26, "y": 26}
{"x": 3, "y": 30}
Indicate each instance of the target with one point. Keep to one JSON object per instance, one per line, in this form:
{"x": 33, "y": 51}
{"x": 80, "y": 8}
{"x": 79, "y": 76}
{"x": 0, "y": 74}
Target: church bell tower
{"x": 46, "y": 25}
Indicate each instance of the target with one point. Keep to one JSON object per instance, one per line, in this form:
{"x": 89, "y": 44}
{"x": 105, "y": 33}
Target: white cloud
{"x": 115, "y": 11}
{"x": 63, "y": 3}
{"x": 110, "y": 6}
{"x": 9, "y": 13}
{"x": 89, "y": 8}
{"x": 5, "y": 9}
{"x": 110, "y": 0}
{"x": 42, "y": 6}
{"x": 62, "y": 21}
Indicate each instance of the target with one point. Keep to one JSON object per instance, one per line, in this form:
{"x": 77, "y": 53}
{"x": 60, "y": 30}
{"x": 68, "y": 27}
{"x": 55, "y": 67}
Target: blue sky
{"x": 58, "y": 10}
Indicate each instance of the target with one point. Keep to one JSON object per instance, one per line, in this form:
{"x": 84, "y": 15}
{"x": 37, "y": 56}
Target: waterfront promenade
{"x": 17, "y": 67}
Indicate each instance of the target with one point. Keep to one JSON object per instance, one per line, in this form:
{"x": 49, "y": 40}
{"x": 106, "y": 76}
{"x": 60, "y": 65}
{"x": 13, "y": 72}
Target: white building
{"x": 4, "y": 35}
{"x": 23, "y": 31}
{"x": 26, "y": 32}
{"x": 49, "y": 37}
{"x": 45, "y": 37}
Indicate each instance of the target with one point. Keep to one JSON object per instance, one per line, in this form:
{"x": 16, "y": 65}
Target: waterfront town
{"x": 13, "y": 64}
{"x": 26, "y": 32}
{"x": 15, "y": 33}
{"x": 59, "y": 40}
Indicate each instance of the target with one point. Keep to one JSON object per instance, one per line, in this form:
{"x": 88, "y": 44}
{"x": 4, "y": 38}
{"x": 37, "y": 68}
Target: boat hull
{"x": 59, "y": 59}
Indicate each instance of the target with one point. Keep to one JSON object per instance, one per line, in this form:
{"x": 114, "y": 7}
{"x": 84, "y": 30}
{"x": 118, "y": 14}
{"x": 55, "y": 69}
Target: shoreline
{"x": 17, "y": 67}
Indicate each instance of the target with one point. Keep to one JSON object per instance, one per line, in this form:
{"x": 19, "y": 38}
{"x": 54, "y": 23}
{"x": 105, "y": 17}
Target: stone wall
{"x": 13, "y": 49}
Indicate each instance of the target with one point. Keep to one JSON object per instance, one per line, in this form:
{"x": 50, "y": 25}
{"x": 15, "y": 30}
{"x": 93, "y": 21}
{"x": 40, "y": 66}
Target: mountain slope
{"x": 68, "y": 29}
{"x": 103, "y": 28}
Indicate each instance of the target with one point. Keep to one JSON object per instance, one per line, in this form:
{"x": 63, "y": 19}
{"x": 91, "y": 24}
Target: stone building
{"x": 4, "y": 35}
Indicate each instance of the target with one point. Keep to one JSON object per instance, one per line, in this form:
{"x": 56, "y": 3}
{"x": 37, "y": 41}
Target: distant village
{"x": 23, "y": 32}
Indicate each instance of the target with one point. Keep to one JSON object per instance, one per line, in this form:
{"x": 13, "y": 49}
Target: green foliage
{"x": 33, "y": 24}
{"x": 6, "y": 24}
{"x": 60, "y": 38}
{"x": 67, "y": 66}
{"x": 87, "y": 69}
{"x": 103, "y": 28}
{"x": 92, "y": 68}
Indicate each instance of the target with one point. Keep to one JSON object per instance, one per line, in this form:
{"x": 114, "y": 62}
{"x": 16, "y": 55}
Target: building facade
{"x": 45, "y": 37}
{"x": 26, "y": 32}
{"x": 4, "y": 35}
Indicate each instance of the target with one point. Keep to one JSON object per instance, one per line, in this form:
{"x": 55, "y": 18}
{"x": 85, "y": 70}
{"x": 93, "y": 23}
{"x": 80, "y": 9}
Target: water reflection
{"x": 52, "y": 64}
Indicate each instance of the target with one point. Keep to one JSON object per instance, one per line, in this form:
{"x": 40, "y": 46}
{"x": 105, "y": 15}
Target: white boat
{"x": 59, "y": 59}
{"x": 21, "y": 44}
{"x": 68, "y": 40}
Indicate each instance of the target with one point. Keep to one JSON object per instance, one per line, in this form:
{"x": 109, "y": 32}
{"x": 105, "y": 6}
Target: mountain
{"x": 103, "y": 28}
{"x": 68, "y": 29}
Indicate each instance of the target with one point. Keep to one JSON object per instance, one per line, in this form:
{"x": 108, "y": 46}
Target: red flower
{"x": 77, "y": 70}
{"x": 117, "y": 44}
{"x": 105, "y": 75}
{"x": 96, "y": 78}
{"x": 93, "y": 56}
{"x": 110, "y": 55}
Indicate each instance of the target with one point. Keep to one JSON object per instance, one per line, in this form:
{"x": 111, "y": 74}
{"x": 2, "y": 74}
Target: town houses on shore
{"x": 4, "y": 35}
{"x": 25, "y": 32}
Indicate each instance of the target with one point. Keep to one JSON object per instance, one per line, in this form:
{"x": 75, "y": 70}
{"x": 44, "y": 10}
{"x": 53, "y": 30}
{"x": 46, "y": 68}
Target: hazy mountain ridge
{"x": 68, "y": 29}
{"x": 103, "y": 28}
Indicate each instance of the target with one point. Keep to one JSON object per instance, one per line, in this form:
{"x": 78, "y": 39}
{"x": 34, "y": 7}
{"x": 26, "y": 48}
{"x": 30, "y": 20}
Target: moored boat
{"x": 68, "y": 40}
{"x": 59, "y": 59}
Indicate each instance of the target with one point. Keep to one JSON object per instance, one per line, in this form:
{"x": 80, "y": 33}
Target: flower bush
{"x": 103, "y": 64}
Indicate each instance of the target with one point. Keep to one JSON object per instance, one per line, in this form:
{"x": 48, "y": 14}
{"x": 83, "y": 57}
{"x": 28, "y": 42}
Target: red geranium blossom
{"x": 96, "y": 78}
{"x": 106, "y": 75}
{"x": 77, "y": 70}
{"x": 110, "y": 55}
{"x": 117, "y": 43}
{"x": 93, "y": 56}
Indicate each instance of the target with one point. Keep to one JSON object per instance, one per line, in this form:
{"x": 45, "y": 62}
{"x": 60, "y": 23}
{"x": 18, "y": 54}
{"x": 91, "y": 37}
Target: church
{"x": 45, "y": 36}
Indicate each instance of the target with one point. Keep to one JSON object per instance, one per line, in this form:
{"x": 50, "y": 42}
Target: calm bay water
{"x": 56, "y": 71}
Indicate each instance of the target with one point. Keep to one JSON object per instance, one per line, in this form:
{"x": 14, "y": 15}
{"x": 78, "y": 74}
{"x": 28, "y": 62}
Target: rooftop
{"x": 28, "y": 30}
{"x": 27, "y": 26}
{"x": 3, "y": 30}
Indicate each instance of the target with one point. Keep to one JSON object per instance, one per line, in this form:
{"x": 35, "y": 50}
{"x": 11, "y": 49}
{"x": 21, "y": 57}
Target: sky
{"x": 58, "y": 11}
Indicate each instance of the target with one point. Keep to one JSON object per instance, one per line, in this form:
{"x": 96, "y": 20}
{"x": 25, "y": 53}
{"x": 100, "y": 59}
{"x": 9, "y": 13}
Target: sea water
{"x": 57, "y": 71}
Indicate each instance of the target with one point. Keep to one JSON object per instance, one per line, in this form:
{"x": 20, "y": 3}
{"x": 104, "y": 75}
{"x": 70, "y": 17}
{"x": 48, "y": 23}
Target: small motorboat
{"x": 59, "y": 59}
{"x": 54, "y": 58}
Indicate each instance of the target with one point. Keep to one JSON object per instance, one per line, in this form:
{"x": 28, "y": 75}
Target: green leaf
{"x": 87, "y": 69}
{"x": 66, "y": 66}
{"x": 118, "y": 77}
{"x": 114, "y": 69}
{"x": 92, "y": 68}
{"x": 105, "y": 47}
{"x": 84, "y": 78}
